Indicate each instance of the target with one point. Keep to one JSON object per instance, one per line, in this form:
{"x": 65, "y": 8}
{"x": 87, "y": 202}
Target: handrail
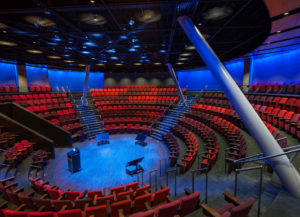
{"x": 160, "y": 169}
{"x": 138, "y": 176}
{"x": 175, "y": 179}
{"x": 206, "y": 180}
{"x": 264, "y": 158}
{"x": 150, "y": 183}
{"x": 260, "y": 183}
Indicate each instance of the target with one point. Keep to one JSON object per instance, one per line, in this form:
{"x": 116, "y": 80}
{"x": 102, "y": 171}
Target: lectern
{"x": 74, "y": 160}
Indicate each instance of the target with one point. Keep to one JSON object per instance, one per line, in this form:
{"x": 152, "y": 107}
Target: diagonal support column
{"x": 173, "y": 74}
{"x": 287, "y": 173}
{"x": 86, "y": 83}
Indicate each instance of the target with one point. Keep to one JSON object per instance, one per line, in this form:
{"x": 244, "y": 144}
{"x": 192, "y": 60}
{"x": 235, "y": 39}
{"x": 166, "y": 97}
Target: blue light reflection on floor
{"x": 104, "y": 165}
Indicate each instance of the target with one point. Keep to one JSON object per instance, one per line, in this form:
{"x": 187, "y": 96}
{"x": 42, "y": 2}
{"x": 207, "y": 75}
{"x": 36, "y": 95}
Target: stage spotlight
{"x": 92, "y": 19}
{"x": 148, "y": 16}
{"x": 40, "y": 21}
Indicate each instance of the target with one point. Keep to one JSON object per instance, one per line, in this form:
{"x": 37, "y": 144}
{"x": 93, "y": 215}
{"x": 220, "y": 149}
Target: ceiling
{"x": 127, "y": 36}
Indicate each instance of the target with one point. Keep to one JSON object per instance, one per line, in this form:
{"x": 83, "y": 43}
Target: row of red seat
{"x": 275, "y": 88}
{"x": 8, "y": 88}
{"x": 141, "y": 86}
{"x": 135, "y": 94}
{"x": 140, "y": 89}
{"x": 148, "y": 120}
{"x": 208, "y": 136}
{"x": 131, "y": 199}
{"x": 116, "y": 108}
{"x": 192, "y": 147}
{"x": 136, "y": 102}
{"x": 39, "y": 88}
{"x": 129, "y": 128}
{"x": 174, "y": 147}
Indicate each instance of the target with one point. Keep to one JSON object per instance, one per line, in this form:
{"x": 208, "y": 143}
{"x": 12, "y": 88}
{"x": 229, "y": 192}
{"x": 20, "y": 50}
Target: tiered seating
{"x": 207, "y": 135}
{"x": 39, "y": 88}
{"x": 133, "y": 108}
{"x": 192, "y": 146}
{"x": 173, "y": 145}
{"x": 120, "y": 201}
{"x": 8, "y": 88}
{"x": 55, "y": 107}
{"x": 274, "y": 87}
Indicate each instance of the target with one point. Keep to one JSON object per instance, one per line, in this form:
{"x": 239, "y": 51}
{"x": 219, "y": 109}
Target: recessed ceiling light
{"x": 190, "y": 47}
{"x": 92, "y": 1}
{"x": 217, "y": 13}
{"x": 3, "y": 26}
{"x": 8, "y": 43}
{"x": 137, "y": 64}
{"x": 100, "y": 64}
{"x": 286, "y": 13}
{"x": 148, "y": 16}
{"x": 34, "y": 51}
{"x": 179, "y": 63}
{"x": 54, "y": 57}
{"x": 119, "y": 64}
{"x": 92, "y": 19}
{"x": 182, "y": 59}
{"x": 69, "y": 61}
{"x": 34, "y": 42}
{"x": 4, "y": 31}
{"x": 199, "y": 24}
{"x": 157, "y": 64}
{"x": 186, "y": 54}
{"x": 81, "y": 64}
{"x": 40, "y": 21}
{"x": 278, "y": 31}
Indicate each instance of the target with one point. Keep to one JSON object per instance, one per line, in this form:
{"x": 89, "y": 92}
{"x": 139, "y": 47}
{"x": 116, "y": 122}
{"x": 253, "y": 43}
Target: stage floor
{"x": 104, "y": 165}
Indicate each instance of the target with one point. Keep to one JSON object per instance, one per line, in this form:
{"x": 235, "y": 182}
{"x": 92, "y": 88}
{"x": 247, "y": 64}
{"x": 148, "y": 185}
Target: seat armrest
{"x": 232, "y": 199}
{"x": 148, "y": 206}
{"x": 42, "y": 208}
{"x": 4, "y": 205}
{"x": 187, "y": 191}
{"x": 8, "y": 179}
{"x": 209, "y": 210}
{"x": 21, "y": 207}
{"x": 169, "y": 198}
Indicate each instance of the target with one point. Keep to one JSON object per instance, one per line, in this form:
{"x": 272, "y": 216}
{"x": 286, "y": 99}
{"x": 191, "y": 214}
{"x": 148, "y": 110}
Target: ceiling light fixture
{"x": 3, "y": 26}
{"x": 92, "y": 19}
{"x": 217, "y": 13}
{"x": 40, "y": 21}
{"x": 54, "y": 57}
{"x": 80, "y": 64}
{"x": 182, "y": 59}
{"x": 69, "y": 61}
{"x": 8, "y": 43}
{"x": 100, "y": 64}
{"x": 186, "y": 54}
{"x": 286, "y": 13}
{"x": 148, "y": 16}
{"x": 119, "y": 64}
{"x": 190, "y": 47}
{"x": 157, "y": 64}
{"x": 137, "y": 64}
{"x": 179, "y": 63}
{"x": 34, "y": 51}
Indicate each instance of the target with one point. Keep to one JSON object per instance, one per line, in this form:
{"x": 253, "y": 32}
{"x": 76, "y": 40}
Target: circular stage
{"x": 105, "y": 165}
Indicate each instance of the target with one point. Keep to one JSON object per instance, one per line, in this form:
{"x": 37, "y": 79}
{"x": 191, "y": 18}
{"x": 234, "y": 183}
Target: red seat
{"x": 97, "y": 211}
{"x": 124, "y": 205}
{"x": 94, "y": 194}
{"x": 139, "y": 202}
{"x": 189, "y": 203}
{"x": 132, "y": 186}
{"x": 54, "y": 194}
{"x": 160, "y": 196}
{"x": 70, "y": 213}
{"x": 42, "y": 214}
{"x": 167, "y": 210}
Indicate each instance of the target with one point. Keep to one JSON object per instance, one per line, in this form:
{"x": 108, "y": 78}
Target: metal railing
{"x": 160, "y": 166}
{"x": 198, "y": 158}
{"x": 237, "y": 171}
{"x": 206, "y": 180}
{"x": 175, "y": 179}
{"x": 226, "y": 151}
{"x": 142, "y": 176}
{"x": 150, "y": 180}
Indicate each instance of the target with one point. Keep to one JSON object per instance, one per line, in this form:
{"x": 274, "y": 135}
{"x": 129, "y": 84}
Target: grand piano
{"x": 133, "y": 167}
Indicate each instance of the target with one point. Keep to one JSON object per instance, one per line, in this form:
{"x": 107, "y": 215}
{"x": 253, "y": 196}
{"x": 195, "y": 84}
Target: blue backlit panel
{"x": 8, "y": 73}
{"x": 96, "y": 80}
{"x": 202, "y": 79}
{"x": 277, "y": 67}
{"x": 37, "y": 75}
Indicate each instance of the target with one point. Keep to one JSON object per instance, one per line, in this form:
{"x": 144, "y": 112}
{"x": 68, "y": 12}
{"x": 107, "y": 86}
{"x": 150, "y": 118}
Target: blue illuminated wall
{"x": 202, "y": 79}
{"x": 74, "y": 79}
{"x": 37, "y": 75}
{"x": 277, "y": 67}
{"x": 8, "y": 73}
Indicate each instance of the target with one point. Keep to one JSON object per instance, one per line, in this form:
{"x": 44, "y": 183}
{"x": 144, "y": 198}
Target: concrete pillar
{"x": 246, "y": 74}
{"x": 287, "y": 173}
{"x": 86, "y": 83}
{"x": 173, "y": 74}
{"x": 22, "y": 78}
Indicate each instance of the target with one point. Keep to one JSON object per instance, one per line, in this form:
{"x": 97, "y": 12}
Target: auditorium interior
{"x": 153, "y": 108}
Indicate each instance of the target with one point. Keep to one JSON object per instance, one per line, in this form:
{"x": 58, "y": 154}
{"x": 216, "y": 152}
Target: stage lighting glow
{"x": 111, "y": 51}
{"x": 56, "y": 38}
{"x": 123, "y": 37}
{"x": 40, "y": 21}
{"x": 54, "y": 57}
{"x": 132, "y": 49}
{"x": 67, "y": 55}
{"x": 143, "y": 57}
{"x": 134, "y": 40}
{"x": 90, "y": 43}
{"x": 34, "y": 51}
{"x": 97, "y": 35}
{"x": 8, "y": 43}
{"x": 114, "y": 58}
{"x": 163, "y": 51}
{"x": 85, "y": 52}
{"x": 136, "y": 46}
{"x": 131, "y": 22}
